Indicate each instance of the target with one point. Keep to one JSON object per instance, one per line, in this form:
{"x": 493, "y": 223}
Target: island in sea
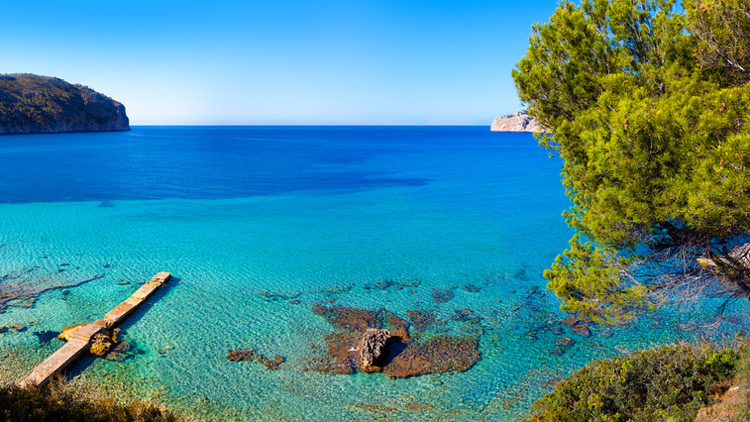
{"x": 518, "y": 122}
{"x": 41, "y": 104}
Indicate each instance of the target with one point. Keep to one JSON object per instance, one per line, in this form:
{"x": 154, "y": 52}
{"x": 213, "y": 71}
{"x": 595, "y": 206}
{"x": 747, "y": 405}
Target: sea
{"x": 258, "y": 225}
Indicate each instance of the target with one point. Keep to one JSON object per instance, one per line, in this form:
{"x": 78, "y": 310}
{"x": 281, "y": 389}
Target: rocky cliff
{"x": 41, "y": 104}
{"x": 519, "y": 122}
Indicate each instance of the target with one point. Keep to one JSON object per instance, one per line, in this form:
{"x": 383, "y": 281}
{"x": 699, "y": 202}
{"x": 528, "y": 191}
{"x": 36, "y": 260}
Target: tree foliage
{"x": 647, "y": 104}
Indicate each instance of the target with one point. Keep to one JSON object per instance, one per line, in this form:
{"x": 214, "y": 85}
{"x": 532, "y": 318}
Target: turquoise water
{"x": 237, "y": 214}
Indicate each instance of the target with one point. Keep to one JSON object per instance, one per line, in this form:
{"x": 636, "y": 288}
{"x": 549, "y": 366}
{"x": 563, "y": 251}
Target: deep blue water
{"x": 228, "y": 162}
{"x": 319, "y": 213}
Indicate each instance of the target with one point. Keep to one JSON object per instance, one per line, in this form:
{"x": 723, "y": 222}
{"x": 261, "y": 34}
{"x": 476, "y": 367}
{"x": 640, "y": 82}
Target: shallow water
{"x": 240, "y": 214}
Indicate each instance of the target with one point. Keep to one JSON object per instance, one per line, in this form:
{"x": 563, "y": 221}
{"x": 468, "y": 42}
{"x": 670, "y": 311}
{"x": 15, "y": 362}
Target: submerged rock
{"x": 120, "y": 352}
{"x": 466, "y": 315}
{"x": 400, "y": 327}
{"x": 360, "y": 343}
{"x": 376, "y": 408}
{"x": 21, "y": 288}
{"x": 420, "y": 407}
{"x": 421, "y": 319}
{"x": 564, "y": 341}
{"x": 437, "y": 355}
{"x": 250, "y": 355}
{"x": 582, "y": 330}
{"x": 348, "y": 318}
{"x": 269, "y": 296}
{"x": 471, "y": 288}
{"x": 563, "y": 344}
{"x": 441, "y": 296}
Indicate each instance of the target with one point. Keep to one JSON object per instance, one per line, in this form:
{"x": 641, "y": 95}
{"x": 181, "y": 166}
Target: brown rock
{"x": 101, "y": 343}
{"x": 348, "y": 318}
{"x": 359, "y": 343}
{"x": 250, "y": 355}
{"x": 421, "y": 319}
{"x": 418, "y": 406}
{"x": 371, "y": 347}
{"x": 570, "y": 321}
{"x": 471, "y": 288}
{"x": 375, "y": 408}
{"x": 437, "y": 355}
{"x": 582, "y": 330}
{"x": 400, "y": 327}
{"x": 342, "y": 356}
{"x": 564, "y": 341}
{"x": 120, "y": 352}
{"x": 441, "y": 296}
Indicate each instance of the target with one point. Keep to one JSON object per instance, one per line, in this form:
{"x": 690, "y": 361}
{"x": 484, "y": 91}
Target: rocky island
{"x": 519, "y": 122}
{"x": 42, "y": 104}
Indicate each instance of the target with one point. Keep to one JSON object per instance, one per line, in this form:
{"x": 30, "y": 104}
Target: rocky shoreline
{"x": 41, "y": 104}
{"x": 518, "y": 122}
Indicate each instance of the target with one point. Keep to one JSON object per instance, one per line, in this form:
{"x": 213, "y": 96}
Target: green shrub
{"x": 60, "y": 402}
{"x": 670, "y": 383}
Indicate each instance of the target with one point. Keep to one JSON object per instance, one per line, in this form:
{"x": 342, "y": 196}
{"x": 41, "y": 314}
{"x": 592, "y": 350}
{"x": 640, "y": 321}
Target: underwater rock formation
{"x": 436, "y": 355}
{"x": 441, "y": 296}
{"x": 120, "y": 352}
{"x": 348, "y": 318}
{"x": 250, "y": 355}
{"x": 400, "y": 327}
{"x": 562, "y": 345}
{"x": 466, "y": 315}
{"x": 21, "y": 288}
{"x": 360, "y": 343}
{"x": 421, "y": 319}
{"x": 471, "y": 288}
{"x": 582, "y": 330}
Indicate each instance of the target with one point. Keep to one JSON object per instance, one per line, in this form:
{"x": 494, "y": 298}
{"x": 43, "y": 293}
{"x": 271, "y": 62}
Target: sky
{"x": 281, "y": 62}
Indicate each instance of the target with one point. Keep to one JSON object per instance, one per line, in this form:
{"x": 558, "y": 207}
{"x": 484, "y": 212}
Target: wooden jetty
{"x": 80, "y": 340}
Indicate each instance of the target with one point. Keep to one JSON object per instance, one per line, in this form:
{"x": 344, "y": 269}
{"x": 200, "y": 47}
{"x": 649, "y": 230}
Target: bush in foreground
{"x": 671, "y": 383}
{"x": 60, "y": 402}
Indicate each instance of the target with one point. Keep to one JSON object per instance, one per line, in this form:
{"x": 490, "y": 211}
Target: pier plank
{"x": 82, "y": 337}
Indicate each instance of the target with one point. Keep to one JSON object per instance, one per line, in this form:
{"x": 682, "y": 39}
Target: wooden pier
{"x": 81, "y": 338}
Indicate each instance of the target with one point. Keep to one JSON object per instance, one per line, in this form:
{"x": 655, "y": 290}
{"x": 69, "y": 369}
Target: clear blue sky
{"x": 281, "y": 61}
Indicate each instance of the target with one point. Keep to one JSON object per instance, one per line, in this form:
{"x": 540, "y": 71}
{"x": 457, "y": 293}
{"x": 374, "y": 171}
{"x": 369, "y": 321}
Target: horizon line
{"x": 305, "y": 125}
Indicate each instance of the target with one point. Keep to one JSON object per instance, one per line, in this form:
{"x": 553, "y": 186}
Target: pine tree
{"x": 648, "y": 105}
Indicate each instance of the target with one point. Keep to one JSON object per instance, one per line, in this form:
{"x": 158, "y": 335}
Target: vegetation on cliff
{"x": 64, "y": 403}
{"x": 40, "y": 104}
{"x": 648, "y": 105}
{"x": 671, "y": 383}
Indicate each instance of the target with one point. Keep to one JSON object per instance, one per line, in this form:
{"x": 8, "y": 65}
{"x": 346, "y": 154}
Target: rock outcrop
{"x": 519, "y": 122}
{"x": 371, "y": 347}
{"x": 360, "y": 343}
{"x": 41, "y": 104}
{"x": 250, "y": 355}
